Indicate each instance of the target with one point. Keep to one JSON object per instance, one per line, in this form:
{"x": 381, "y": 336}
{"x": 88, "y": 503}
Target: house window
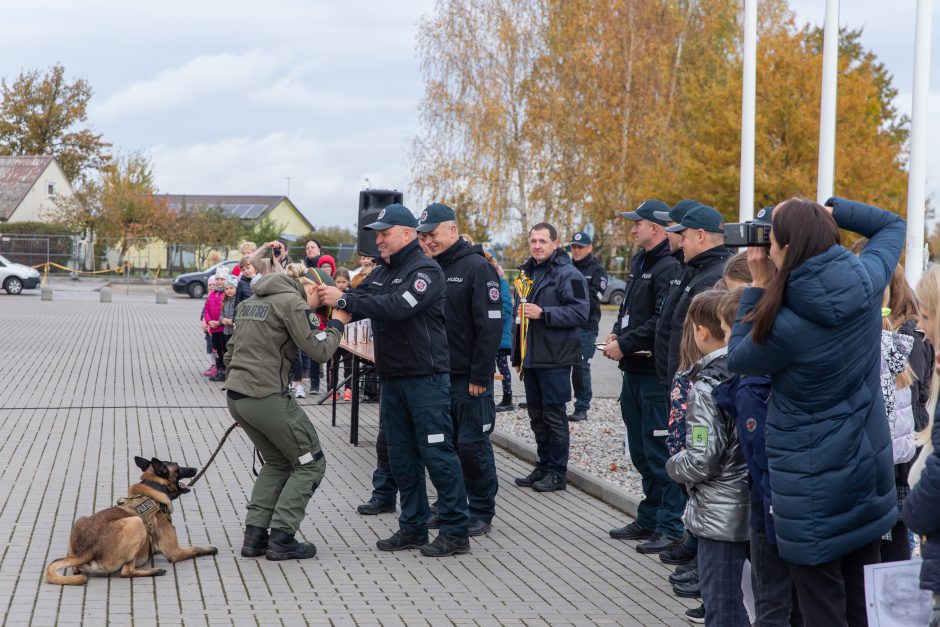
{"x": 50, "y": 189}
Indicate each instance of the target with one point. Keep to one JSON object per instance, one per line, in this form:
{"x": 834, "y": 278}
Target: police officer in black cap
{"x": 474, "y": 328}
{"x": 555, "y": 309}
{"x": 404, "y": 297}
{"x": 596, "y": 277}
{"x": 643, "y": 397}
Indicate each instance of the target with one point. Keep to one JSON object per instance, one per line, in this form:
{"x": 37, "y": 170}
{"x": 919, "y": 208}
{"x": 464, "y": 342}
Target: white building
{"x": 29, "y": 186}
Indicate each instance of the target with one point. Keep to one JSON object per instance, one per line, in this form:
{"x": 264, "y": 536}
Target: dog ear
{"x": 159, "y": 468}
{"x": 141, "y": 463}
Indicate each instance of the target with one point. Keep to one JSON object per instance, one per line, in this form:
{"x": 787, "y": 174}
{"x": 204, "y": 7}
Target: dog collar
{"x": 160, "y": 488}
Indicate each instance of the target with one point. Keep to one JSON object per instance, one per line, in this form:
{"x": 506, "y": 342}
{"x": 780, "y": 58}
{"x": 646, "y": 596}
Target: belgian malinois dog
{"x": 126, "y": 536}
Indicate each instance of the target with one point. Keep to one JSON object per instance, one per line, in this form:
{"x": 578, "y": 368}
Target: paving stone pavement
{"x": 86, "y": 386}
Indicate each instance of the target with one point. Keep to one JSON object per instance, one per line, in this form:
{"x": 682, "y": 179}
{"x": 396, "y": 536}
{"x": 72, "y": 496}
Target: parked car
{"x": 15, "y": 277}
{"x": 616, "y": 288}
{"x": 196, "y": 284}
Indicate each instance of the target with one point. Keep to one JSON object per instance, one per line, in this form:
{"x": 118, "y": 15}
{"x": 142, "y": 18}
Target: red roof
{"x": 17, "y": 177}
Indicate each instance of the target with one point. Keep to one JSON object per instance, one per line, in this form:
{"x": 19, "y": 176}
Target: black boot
{"x": 505, "y": 404}
{"x": 530, "y": 479}
{"x": 446, "y": 544}
{"x": 219, "y": 376}
{"x": 375, "y": 506}
{"x": 256, "y": 541}
{"x": 284, "y": 546}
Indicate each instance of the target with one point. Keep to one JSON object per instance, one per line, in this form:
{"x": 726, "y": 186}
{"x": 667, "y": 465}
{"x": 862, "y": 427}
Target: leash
{"x": 212, "y": 457}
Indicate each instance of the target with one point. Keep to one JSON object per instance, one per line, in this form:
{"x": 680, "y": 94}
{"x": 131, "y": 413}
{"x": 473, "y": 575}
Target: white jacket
{"x": 902, "y": 433}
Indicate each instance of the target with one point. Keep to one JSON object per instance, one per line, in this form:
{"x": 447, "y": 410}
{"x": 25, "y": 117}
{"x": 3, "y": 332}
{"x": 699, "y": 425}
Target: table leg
{"x": 354, "y": 410}
{"x": 334, "y": 366}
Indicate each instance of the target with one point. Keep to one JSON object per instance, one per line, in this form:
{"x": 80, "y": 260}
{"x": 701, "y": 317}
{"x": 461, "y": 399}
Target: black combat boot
{"x": 284, "y": 546}
{"x": 530, "y": 479}
{"x": 375, "y": 506}
{"x": 256, "y": 541}
{"x": 549, "y": 483}
{"x": 446, "y": 544}
{"x": 403, "y": 540}
{"x": 505, "y": 404}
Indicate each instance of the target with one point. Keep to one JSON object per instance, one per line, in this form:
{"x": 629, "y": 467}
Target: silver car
{"x": 15, "y": 277}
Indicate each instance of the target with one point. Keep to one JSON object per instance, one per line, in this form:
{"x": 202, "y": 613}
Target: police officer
{"x": 703, "y": 245}
{"x": 643, "y": 397}
{"x": 281, "y": 317}
{"x": 664, "y": 330}
{"x": 404, "y": 297}
{"x": 555, "y": 309}
{"x": 593, "y": 271}
{"x": 474, "y": 329}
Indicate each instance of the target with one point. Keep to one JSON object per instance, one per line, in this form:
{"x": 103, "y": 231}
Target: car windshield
{"x": 4, "y": 261}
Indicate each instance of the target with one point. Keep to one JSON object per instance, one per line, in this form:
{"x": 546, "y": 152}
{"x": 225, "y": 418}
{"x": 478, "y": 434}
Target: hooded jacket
{"x": 651, "y": 272}
{"x": 473, "y": 311}
{"x": 272, "y": 325}
{"x": 404, "y": 297}
{"x": 828, "y": 446}
{"x": 560, "y": 290}
{"x": 712, "y": 465}
{"x": 701, "y": 273}
{"x": 745, "y": 400}
{"x": 922, "y": 513}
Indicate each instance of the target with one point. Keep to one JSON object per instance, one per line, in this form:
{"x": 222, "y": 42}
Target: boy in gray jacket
{"x": 713, "y": 469}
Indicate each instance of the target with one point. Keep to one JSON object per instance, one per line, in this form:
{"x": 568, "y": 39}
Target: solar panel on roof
{"x": 254, "y": 211}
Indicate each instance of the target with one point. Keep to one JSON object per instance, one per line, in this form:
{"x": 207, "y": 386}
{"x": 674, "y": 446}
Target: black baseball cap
{"x": 647, "y": 211}
{"x": 763, "y": 216}
{"x": 580, "y": 239}
{"x": 678, "y": 210}
{"x": 701, "y": 217}
{"x": 393, "y": 215}
{"x": 434, "y": 214}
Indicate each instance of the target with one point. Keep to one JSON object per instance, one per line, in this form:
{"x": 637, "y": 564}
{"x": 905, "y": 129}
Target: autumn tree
{"x": 477, "y": 57}
{"x": 208, "y": 229}
{"x": 44, "y": 114}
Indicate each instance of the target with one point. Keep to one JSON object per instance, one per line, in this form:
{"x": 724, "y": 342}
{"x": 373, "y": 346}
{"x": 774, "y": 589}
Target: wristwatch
{"x": 341, "y": 303}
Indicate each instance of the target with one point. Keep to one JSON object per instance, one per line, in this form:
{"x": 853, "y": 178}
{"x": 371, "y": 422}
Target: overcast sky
{"x": 234, "y": 97}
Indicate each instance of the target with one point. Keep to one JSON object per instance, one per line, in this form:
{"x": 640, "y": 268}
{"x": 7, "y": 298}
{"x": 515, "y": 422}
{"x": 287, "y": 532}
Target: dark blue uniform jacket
{"x": 405, "y": 300}
{"x": 922, "y": 513}
{"x": 828, "y": 445}
{"x": 561, "y": 291}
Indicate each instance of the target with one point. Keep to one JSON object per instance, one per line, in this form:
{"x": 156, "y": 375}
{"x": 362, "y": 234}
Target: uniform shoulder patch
{"x": 577, "y": 288}
{"x": 313, "y": 320}
{"x": 751, "y": 424}
{"x": 253, "y": 311}
{"x": 492, "y": 290}
{"x": 421, "y": 283}
{"x": 603, "y": 284}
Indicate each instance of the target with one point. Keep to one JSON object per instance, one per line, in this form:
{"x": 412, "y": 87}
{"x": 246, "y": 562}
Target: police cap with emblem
{"x": 678, "y": 210}
{"x": 580, "y": 239}
{"x": 434, "y": 214}
{"x": 701, "y": 217}
{"x": 393, "y": 215}
{"x": 763, "y": 217}
{"x": 647, "y": 211}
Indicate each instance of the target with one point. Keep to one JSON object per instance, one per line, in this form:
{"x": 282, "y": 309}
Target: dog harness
{"x": 146, "y": 508}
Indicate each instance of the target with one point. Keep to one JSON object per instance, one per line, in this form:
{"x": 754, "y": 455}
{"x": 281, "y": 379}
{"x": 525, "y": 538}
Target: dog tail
{"x": 53, "y": 574}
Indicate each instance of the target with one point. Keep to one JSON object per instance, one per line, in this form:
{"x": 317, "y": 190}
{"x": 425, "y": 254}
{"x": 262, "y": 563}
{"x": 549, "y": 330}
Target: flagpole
{"x": 748, "y": 111}
{"x": 917, "y": 171}
{"x": 827, "y": 111}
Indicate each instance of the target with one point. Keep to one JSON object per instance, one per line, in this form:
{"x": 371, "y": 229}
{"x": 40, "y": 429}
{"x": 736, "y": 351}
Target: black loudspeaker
{"x": 371, "y": 202}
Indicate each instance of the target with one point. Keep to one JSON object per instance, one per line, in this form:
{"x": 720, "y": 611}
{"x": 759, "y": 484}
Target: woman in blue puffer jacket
{"x": 815, "y": 327}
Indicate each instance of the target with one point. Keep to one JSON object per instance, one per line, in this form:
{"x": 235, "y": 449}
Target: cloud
{"x": 203, "y": 76}
{"x": 326, "y": 176}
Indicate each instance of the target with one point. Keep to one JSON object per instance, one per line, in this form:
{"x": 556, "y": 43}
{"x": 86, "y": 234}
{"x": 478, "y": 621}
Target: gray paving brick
{"x": 91, "y": 385}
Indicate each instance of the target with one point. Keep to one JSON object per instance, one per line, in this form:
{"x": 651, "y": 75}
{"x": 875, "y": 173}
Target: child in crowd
{"x": 327, "y": 264}
{"x": 714, "y": 472}
{"x": 227, "y": 319}
{"x": 922, "y": 506}
{"x": 342, "y": 280}
{"x": 247, "y": 272}
{"x": 245, "y": 249}
{"x": 744, "y": 398}
{"x": 212, "y": 315}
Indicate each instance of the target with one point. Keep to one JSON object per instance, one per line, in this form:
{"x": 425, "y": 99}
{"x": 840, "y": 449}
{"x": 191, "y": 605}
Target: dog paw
{"x": 159, "y": 572}
{"x": 211, "y": 550}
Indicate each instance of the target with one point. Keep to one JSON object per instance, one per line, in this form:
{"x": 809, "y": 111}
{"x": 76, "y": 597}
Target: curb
{"x": 602, "y": 489}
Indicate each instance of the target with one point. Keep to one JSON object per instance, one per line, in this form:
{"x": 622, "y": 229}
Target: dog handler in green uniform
{"x": 281, "y": 317}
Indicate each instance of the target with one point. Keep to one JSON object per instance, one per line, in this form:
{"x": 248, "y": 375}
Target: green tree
{"x": 209, "y": 229}
{"x": 44, "y": 114}
{"x": 263, "y": 230}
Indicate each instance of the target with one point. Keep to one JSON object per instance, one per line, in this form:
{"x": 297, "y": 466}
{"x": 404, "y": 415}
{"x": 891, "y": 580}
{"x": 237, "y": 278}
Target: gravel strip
{"x": 597, "y": 444}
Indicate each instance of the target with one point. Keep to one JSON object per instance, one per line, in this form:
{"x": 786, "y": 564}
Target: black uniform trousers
{"x": 474, "y": 419}
{"x": 547, "y": 390}
{"x": 417, "y": 423}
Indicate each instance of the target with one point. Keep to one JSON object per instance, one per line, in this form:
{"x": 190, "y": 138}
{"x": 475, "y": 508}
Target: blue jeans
{"x": 581, "y": 374}
{"x": 774, "y": 594}
{"x": 720, "y": 565}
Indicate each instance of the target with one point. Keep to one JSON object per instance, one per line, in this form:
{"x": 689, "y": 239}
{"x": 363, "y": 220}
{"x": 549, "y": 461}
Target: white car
{"x": 15, "y": 277}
